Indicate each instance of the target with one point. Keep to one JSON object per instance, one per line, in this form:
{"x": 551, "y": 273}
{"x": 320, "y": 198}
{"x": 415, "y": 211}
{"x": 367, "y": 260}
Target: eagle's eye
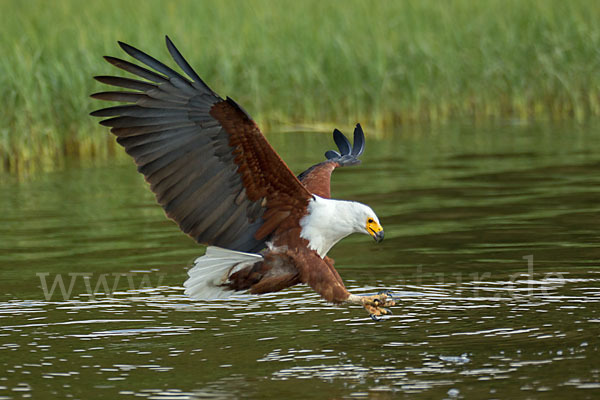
{"x": 370, "y": 220}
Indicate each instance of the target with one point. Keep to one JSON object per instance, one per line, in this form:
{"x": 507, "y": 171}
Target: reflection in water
{"x": 492, "y": 253}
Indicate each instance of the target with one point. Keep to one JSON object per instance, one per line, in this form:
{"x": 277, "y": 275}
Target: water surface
{"x": 492, "y": 249}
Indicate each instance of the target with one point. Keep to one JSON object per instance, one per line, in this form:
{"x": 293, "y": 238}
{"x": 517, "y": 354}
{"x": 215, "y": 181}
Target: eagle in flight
{"x": 218, "y": 178}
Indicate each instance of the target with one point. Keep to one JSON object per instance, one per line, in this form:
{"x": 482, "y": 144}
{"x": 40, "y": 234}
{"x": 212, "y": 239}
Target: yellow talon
{"x": 377, "y": 305}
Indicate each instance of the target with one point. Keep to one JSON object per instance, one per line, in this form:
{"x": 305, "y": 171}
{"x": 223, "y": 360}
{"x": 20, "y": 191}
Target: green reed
{"x": 300, "y": 63}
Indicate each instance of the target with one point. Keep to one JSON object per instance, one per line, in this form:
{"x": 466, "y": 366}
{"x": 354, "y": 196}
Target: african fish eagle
{"x": 217, "y": 177}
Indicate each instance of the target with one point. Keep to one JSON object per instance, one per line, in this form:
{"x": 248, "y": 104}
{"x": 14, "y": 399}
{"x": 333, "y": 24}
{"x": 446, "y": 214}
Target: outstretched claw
{"x": 376, "y": 305}
{"x": 382, "y": 311}
{"x": 387, "y": 292}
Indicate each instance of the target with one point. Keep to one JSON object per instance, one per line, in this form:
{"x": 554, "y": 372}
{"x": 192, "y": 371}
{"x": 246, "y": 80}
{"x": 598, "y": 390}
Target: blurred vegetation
{"x": 314, "y": 63}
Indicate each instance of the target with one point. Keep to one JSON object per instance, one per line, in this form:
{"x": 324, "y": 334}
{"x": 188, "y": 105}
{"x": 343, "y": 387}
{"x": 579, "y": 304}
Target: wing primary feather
{"x": 127, "y": 97}
{"x": 137, "y": 111}
{"x": 149, "y": 102}
{"x": 136, "y": 70}
{"x": 155, "y": 137}
{"x": 132, "y": 122}
{"x": 359, "y": 141}
{"x": 146, "y": 153}
{"x": 185, "y": 66}
{"x": 342, "y": 142}
{"x": 143, "y": 130}
{"x": 151, "y": 61}
{"x": 332, "y": 154}
{"x": 116, "y": 110}
{"x": 126, "y": 83}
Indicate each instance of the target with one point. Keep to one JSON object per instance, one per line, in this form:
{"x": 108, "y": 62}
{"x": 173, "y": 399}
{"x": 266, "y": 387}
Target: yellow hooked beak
{"x": 375, "y": 230}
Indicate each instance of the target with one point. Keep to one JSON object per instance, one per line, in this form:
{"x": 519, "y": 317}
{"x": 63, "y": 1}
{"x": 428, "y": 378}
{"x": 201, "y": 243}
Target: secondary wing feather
{"x": 207, "y": 162}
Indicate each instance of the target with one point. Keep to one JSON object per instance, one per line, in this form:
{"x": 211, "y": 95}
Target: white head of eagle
{"x": 328, "y": 221}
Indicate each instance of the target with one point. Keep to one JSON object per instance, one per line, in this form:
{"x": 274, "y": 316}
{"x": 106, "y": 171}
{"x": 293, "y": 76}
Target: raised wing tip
{"x": 359, "y": 141}
{"x": 129, "y": 49}
{"x": 113, "y": 60}
{"x": 342, "y": 142}
{"x": 348, "y": 154}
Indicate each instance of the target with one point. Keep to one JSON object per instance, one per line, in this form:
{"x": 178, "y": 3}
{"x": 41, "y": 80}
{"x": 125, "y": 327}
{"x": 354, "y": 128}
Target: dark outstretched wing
{"x": 207, "y": 162}
{"x": 317, "y": 178}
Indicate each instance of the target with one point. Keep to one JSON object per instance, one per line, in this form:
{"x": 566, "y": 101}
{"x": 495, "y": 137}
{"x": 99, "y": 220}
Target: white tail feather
{"x": 213, "y": 270}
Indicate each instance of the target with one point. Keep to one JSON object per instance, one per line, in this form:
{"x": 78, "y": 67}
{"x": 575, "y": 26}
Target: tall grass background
{"x": 309, "y": 63}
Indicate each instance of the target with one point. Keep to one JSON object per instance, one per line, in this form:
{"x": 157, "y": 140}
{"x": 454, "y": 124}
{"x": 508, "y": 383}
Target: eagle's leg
{"x": 375, "y": 305}
{"x": 322, "y": 276}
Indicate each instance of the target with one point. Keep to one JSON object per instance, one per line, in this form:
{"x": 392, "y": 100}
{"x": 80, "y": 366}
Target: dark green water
{"x": 492, "y": 248}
